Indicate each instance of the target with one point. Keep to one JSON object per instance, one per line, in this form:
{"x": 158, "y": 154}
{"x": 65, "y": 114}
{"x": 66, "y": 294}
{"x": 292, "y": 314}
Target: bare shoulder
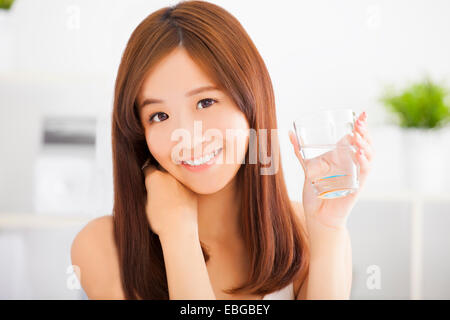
{"x": 94, "y": 251}
{"x": 300, "y": 282}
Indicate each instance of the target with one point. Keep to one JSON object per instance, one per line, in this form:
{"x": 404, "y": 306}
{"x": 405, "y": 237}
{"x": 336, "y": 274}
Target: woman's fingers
{"x": 364, "y": 167}
{"x": 361, "y": 127}
{"x": 293, "y": 140}
{"x": 313, "y": 168}
{"x": 365, "y": 151}
{"x": 363, "y": 145}
{"x": 148, "y": 171}
{"x": 294, "y": 143}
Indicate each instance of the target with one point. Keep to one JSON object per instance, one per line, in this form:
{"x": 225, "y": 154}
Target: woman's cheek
{"x": 235, "y": 148}
{"x": 159, "y": 146}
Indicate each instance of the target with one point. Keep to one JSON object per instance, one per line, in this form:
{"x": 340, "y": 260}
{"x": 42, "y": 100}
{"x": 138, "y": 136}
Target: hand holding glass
{"x": 328, "y": 156}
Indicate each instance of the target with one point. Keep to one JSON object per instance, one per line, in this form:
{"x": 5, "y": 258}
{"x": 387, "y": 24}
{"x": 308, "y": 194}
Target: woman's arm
{"x": 172, "y": 215}
{"x": 94, "y": 255}
{"x": 187, "y": 276}
{"x": 330, "y": 269}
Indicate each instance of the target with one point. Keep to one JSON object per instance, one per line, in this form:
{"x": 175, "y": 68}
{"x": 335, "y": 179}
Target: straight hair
{"x": 274, "y": 236}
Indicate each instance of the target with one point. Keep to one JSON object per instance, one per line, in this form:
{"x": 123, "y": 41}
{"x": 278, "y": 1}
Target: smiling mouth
{"x": 202, "y": 160}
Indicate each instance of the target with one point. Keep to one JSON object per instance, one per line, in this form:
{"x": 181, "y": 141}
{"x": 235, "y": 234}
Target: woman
{"x": 200, "y": 219}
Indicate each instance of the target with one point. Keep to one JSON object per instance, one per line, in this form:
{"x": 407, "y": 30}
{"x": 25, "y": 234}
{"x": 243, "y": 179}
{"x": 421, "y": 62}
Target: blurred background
{"x": 58, "y": 62}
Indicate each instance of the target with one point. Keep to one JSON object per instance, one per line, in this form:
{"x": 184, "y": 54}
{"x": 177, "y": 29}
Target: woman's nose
{"x": 192, "y": 132}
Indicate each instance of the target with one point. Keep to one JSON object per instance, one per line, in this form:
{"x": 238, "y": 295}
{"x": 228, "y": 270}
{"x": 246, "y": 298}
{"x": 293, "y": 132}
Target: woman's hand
{"x": 334, "y": 212}
{"x": 171, "y": 207}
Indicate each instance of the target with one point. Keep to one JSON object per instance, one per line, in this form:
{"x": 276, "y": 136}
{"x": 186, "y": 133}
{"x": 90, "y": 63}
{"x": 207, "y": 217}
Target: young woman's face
{"x": 182, "y": 123}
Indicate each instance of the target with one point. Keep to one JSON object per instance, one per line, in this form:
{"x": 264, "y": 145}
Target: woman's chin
{"x": 206, "y": 186}
{"x": 205, "y": 189}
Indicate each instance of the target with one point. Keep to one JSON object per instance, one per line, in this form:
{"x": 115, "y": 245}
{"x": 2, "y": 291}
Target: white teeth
{"x": 202, "y": 160}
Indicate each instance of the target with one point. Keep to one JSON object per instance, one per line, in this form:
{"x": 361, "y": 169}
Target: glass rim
{"x": 311, "y": 114}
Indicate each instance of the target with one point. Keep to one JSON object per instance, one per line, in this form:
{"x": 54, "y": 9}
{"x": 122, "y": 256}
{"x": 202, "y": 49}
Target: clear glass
{"x": 329, "y": 158}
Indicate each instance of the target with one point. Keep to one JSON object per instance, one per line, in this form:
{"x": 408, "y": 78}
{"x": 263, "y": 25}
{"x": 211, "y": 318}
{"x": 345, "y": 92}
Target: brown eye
{"x": 156, "y": 117}
{"x": 205, "y": 103}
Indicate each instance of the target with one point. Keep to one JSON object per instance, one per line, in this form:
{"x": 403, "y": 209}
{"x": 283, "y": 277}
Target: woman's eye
{"x": 157, "y": 117}
{"x": 205, "y": 103}
{"x": 161, "y": 116}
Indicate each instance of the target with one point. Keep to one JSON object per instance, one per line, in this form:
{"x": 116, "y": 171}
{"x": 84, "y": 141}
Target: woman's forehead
{"x": 176, "y": 74}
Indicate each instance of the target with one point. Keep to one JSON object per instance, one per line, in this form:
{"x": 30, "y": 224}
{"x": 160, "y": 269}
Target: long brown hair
{"x": 274, "y": 236}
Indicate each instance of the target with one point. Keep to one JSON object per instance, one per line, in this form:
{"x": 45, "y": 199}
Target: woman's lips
{"x": 204, "y": 166}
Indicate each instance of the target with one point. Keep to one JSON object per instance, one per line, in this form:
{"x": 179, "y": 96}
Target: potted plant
{"x": 422, "y": 110}
{"x": 6, "y": 4}
{"x": 7, "y": 34}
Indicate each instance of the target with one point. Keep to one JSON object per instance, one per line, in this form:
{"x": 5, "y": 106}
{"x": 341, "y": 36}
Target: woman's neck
{"x": 218, "y": 215}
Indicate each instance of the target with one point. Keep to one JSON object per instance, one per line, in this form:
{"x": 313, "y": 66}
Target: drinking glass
{"x": 328, "y": 157}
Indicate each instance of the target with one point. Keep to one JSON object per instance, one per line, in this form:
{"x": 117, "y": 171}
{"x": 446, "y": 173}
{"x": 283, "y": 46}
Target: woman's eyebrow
{"x": 201, "y": 89}
{"x": 188, "y": 94}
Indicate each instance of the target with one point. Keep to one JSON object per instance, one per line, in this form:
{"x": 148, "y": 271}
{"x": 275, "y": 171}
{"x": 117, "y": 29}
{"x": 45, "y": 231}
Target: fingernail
{"x": 364, "y": 115}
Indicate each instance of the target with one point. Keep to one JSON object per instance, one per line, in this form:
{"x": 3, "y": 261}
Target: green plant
{"x": 420, "y": 105}
{"x": 6, "y": 4}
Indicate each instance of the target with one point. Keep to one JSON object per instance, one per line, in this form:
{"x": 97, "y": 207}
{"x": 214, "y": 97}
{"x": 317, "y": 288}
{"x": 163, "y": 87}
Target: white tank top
{"x": 286, "y": 293}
